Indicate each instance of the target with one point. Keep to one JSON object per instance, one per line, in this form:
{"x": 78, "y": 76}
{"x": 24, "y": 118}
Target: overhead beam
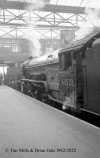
{"x": 40, "y": 26}
{"x": 47, "y": 8}
{"x": 63, "y": 9}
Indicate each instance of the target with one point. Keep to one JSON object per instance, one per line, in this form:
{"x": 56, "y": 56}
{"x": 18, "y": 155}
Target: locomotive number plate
{"x": 68, "y": 82}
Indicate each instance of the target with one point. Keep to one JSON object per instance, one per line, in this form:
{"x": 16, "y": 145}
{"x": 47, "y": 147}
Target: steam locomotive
{"x": 70, "y": 76}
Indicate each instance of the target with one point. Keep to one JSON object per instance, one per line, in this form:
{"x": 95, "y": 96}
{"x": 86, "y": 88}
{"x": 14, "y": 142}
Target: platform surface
{"x": 31, "y": 129}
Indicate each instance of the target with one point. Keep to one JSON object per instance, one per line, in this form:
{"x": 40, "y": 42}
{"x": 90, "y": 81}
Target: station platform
{"x": 32, "y": 129}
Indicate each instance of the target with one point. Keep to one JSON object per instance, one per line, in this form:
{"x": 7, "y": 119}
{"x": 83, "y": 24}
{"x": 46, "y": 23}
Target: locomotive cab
{"x": 67, "y": 79}
{"x": 79, "y": 75}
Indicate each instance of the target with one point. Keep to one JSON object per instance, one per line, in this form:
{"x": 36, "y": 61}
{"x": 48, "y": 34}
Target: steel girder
{"x": 15, "y": 22}
{"x": 16, "y": 18}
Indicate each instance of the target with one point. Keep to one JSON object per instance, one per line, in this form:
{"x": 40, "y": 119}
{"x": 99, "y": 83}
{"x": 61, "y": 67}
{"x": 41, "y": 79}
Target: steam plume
{"x": 69, "y": 102}
{"x": 36, "y": 4}
{"x": 33, "y": 36}
{"x": 92, "y": 24}
{"x": 32, "y": 33}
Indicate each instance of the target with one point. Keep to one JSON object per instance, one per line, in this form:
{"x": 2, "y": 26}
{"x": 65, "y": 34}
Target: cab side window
{"x": 65, "y": 60}
{"x": 62, "y": 66}
{"x": 68, "y": 61}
